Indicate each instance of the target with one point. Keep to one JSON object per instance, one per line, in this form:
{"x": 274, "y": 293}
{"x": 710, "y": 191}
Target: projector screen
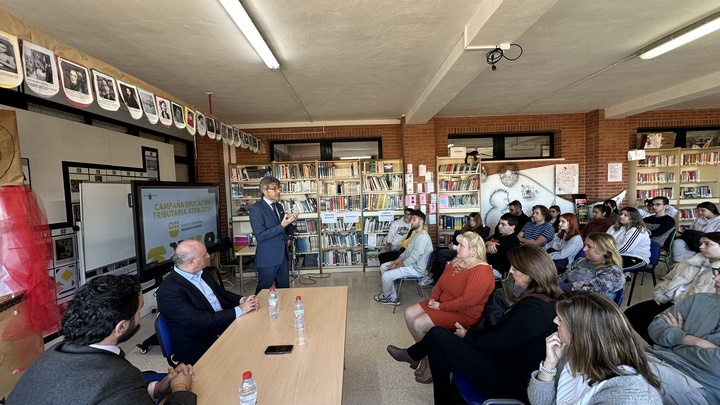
{"x": 167, "y": 213}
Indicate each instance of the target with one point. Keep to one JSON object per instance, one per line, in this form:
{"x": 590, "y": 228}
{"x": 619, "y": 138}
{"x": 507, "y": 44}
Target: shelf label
{"x": 351, "y": 217}
{"x": 386, "y": 216}
{"x": 329, "y": 217}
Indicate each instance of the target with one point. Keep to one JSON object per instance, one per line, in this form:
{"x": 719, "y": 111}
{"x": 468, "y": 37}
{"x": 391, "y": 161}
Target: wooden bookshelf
{"x": 458, "y": 190}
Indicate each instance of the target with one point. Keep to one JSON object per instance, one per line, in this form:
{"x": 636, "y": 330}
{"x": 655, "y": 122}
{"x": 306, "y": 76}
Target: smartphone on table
{"x": 279, "y": 349}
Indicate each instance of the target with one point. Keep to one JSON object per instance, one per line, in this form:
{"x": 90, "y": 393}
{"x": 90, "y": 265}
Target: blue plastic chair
{"x": 650, "y": 268}
{"x": 473, "y": 397}
{"x": 416, "y": 279}
{"x": 151, "y": 376}
{"x": 163, "y": 335}
{"x": 619, "y": 297}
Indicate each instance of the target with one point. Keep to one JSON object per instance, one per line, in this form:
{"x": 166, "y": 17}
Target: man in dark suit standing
{"x": 89, "y": 367}
{"x": 271, "y": 226}
{"x": 196, "y": 309}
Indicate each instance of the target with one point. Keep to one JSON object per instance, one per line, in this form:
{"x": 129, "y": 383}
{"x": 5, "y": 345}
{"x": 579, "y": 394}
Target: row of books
{"x": 249, "y": 173}
{"x": 451, "y": 221}
{"x": 328, "y": 170}
{"x": 306, "y": 226}
{"x": 464, "y": 200}
{"x": 340, "y": 203}
{"x": 458, "y": 168}
{"x": 296, "y": 171}
{"x": 383, "y": 183}
{"x": 305, "y": 244}
{"x": 376, "y": 202}
{"x": 340, "y": 225}
{"x": 687, "y": 214}
{"x": 309, "y": 261}
{"x": 656, "y": 178}
{"x": 458, "y": 184}
{"x": 374, "y": 166}
{"x": 342, "y": 258}
{"x": 372, "y": 225}
{"x": 372, "y": 258}
{"x": 659, "y": 192}
{"x": 304, "y": 186}
{"x": 330, "y": 240}
{"x": 705, "y": 158}
{"x": 242, "y": 207}
{"x": 374, "y": 240}
{"x": 238, "y": 190}
{"x": 690, "y": 176}
{"x": 659, "y": 161}
{"x": 696, "y": 192}
{"x": 302, "y": 205}
{"x": 343, "y": 187}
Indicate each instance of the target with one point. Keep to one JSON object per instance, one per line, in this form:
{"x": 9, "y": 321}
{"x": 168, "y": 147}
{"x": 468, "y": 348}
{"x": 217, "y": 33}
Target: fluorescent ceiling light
{"x": 243, "y": 21}
{"x": 682, "y": 37}
{"x": 355, "y": 157}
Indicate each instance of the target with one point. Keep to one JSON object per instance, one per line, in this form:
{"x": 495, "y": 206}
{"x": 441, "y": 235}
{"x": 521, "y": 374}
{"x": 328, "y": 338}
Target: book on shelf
{"x": 254, "y": 173}
{"x": 242, "y": 207}
{"x": 299, "y": 204}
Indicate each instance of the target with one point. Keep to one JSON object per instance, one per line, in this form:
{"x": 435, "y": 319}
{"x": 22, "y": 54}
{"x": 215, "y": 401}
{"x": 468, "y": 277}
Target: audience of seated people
{"x": 632, "y": 238}
{"x": 555, "y": 217}
{"x": 687, "y": 336}
{"x": 496, "y": 360}
{"x": 443, "y": 256}
{"x": 598, "y": 270}
{"x": 660, "y": 224}
{"x": 458, "y": 297}
{"x": 567, "y": 242}
{"x": 600, "y": 222}
{"x": 593, "y": 358}
{"x": 500, "y": 244}
{"x": 398, "y": 237}
{"x": 688, "y": 243}
{"x": 691, "y": 276}
{"x": 538, "y": 232}
{"x": 515, "y": 209}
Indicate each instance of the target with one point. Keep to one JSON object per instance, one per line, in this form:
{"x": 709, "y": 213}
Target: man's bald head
{"x": 190, "y": 256}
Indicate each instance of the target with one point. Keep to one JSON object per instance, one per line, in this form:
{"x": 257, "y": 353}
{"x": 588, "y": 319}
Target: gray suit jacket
{"x": 74, "y": 374}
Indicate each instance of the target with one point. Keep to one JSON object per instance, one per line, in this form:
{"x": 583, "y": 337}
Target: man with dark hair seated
{"x": 601, "y": 221}
{"x": 89, "y": 367}
{"x": 499, "y": 244}
{"x": 660, "y": 225}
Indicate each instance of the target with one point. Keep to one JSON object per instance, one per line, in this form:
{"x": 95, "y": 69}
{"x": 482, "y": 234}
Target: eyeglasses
{"x": 657, "y": 204}
{"x": 272, "y": 188}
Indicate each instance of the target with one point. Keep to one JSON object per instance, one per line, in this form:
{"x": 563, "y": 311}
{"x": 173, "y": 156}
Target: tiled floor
{"x": 371, "y": 376}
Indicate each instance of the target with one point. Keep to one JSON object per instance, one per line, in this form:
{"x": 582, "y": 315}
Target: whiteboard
{"x": 107, "y": 224}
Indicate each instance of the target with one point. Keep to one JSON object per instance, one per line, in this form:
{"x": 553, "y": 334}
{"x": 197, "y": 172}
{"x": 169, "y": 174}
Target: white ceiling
{"x": 349, "y": 60}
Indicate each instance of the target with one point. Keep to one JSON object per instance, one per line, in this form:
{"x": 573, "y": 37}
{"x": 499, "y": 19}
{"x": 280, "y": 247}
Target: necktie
{"x": 277, "y": 211}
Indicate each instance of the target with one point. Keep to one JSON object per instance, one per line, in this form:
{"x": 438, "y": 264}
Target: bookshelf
{"x": 339, "y": 206}
{"x": 458, "y": 188}
{"x": 299, "y": 194}
{"x": 244, "y": 192}
{"x": 383, "y": 194}
{"x": 686, "y": 177}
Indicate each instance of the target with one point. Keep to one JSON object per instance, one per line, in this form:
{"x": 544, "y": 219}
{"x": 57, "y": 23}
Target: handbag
{"x": 495, "y": 307}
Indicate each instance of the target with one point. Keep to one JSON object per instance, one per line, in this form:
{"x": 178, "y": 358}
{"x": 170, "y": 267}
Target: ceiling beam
{"x": 689, "y": 90}
{"x": 460, "y": 66}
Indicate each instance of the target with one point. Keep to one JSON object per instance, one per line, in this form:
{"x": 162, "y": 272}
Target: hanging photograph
{"x": 147, "y": 100}
{"x": 190, "y": 120}
{"x": 106, "y": 90}
{"x": 200, "y": 123}
{"x": 177, "y": 113}
{"x": 254, "y": 147}
{"x": 223, "y": 132}
{"x": 74, "y": 80}
{"x": 40, "y": 74}
{"x": 236, "y": 137}
{"x": 128, "y": 93}
{"x": 10, "y": 75}
{"x": 246, "y": 140}
{"x": 164, "y": 111}
{"x": 211, "y": 127}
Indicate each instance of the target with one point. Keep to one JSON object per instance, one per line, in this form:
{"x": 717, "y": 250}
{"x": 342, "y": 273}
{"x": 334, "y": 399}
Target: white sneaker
{"x": 427, "y": 280}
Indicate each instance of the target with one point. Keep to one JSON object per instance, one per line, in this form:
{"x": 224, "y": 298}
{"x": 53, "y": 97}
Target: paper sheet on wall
{"x": 421, "y": 170}
{"x": 430, "y": 187}
{"x": 423, "y": 199}
{"x": 567, "y": 177}
{"x": 410, "y": 200}
{"x": 432, "y": 219}
{"x": 433, "y": 208}
{"x": 615, "y": 172}
{"x": 423, "y": 208}
{"x": 419, "y": 187}
{"x": 371, "y": 239}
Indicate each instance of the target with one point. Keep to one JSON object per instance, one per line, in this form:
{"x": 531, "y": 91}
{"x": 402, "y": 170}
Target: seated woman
{"x": 601, "y": 221}
{"x": 496, "y": 360}
{"x": 632, "y": 238}
{"x": 443, "y": 256}
{"x": 566, "y": 244}
{"x": 459, "y": 297}
{"x": 555, "y": 217}
{"x": 537, "y": 232}
{"x": 614, "y": 212}
{"x": 708, "y": 220}
{"x": 688, "y": 338}
{"x": 579, "y": 370}
{"x": 692, "y": 275}
{"x": 598, "y": 271}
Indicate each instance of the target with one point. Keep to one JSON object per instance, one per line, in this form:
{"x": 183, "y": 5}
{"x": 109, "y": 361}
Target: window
{"x": 325, "y": 150}
{"x": 506, "y": 146}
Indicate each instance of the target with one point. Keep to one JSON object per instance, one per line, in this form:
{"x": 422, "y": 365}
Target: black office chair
{"x": 163, "y": 336}
{"x": 228, "y": 247}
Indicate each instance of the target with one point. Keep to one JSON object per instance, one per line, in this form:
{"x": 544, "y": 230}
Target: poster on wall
{"x": 236, "y": 137}
{"x": 164, "y": 111}
{"x": 10, "y": 73}
{"x": 128, "y": 92}
{"x": 223, "y": 132}
{"x": 11, "y": 173}
{"x": 41, "y": 77}
{"x": 178, "y": 116}
{"x": 147, "y": 100}
{"x": 190, "y": 120}
{"x": 567, "y": 178}
{"x": 74, "y": 79}
{"x": 246, "y": 140}
{"x": 106, "y": 90}
{"x": 200, "y": 121}
{"x": 211, "y": 127}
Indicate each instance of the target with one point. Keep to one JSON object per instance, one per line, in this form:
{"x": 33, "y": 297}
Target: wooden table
{"x": 311, "y": 374}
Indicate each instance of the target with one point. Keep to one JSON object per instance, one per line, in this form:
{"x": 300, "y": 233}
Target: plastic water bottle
{"x": 248, "y": 390}
{"x": 300, "y": 338}
{"x": 273, "y": 302}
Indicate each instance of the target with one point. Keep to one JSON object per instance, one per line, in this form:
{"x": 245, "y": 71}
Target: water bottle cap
{"x": 272, "y": 288}
{"x": 247, "y": 375}
{"x": 297, "y": 298}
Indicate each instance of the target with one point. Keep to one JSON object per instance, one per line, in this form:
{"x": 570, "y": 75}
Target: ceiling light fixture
{"x": 243, "y": 21}
{"x": 682, "y": 37}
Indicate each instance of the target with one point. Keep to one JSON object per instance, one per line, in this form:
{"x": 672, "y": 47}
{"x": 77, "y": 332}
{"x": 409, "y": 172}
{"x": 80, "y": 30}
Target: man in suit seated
{"x": 196, "y": 309}
{"x": 89, "y": 367}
